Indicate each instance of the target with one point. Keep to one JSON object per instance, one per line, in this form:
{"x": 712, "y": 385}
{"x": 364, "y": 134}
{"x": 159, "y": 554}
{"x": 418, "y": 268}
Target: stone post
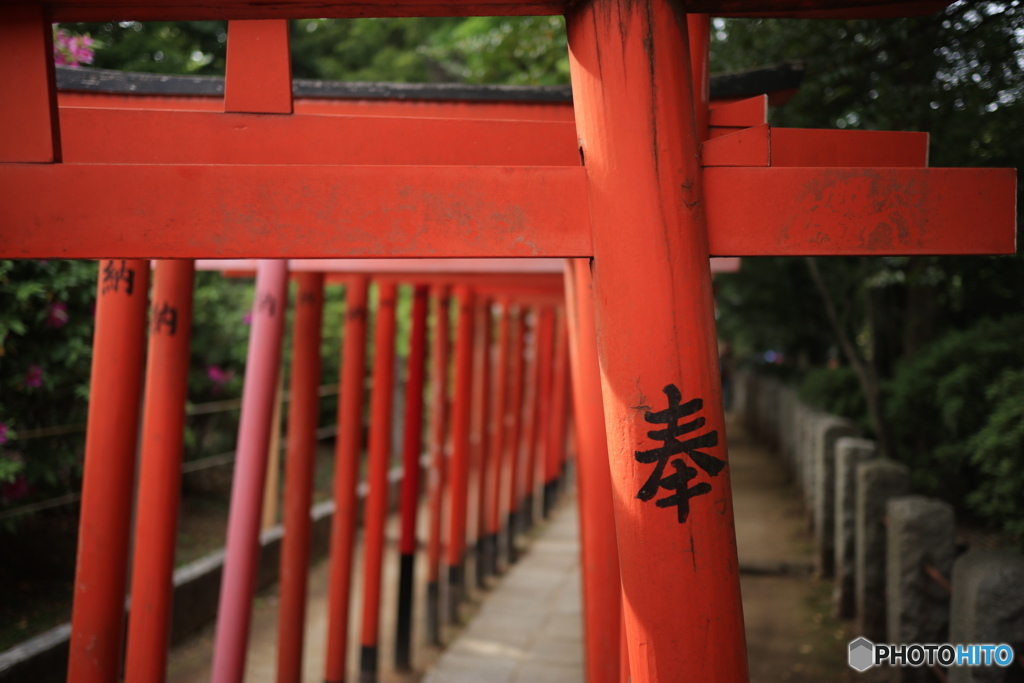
{"x": 919, "y": 533}
{"x": 877, "y": 482}
{"x": 829, "y": 430}
{"x": 988, "y": 607}
{"x": 850, "y": 452}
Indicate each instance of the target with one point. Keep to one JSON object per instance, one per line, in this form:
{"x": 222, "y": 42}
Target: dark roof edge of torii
{"x": 779, "y": 78}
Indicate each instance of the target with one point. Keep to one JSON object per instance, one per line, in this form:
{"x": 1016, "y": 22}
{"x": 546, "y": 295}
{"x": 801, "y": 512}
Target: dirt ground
{"x": 791, "y": 634}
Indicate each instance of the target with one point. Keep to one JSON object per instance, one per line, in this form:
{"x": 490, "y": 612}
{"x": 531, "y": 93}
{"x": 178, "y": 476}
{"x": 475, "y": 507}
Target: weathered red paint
{"x": 649, "y": 196}
{"x": 348, "y": 449}
{"x": 655, "y": 330}
{"x": 848, "y": 211}
{"x": 501, "y": 211}
{"x": 164, "y": 211}
{"x": 163, "y": 436}
{"x": 111, "y": 438}
{"x": 300, "y": 465}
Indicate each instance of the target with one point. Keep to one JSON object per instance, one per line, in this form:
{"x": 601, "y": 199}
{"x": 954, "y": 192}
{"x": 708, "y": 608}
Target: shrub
{"x": 837, "y": 391}
{"x": 946, "y": 397}
{"x": 997, "y": 450}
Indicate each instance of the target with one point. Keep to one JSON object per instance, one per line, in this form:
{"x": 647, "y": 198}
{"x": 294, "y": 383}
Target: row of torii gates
{"x": 635, "y": 186}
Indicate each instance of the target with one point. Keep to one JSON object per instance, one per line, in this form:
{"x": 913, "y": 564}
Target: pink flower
{"x": 69, "y": 50}
{"x": 247, "y": 318}
{"x": 57, "y": 315}
{"x": 3, "y": 433}
{"x": 218, "y": 375}
{"x": 34, "y": 377}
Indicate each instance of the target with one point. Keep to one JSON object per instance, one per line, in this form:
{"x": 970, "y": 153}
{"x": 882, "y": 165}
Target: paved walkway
{"x": 528, "y": 629}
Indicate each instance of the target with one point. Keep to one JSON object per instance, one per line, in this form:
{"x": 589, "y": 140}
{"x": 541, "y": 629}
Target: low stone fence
{"x": 891, "y": 554}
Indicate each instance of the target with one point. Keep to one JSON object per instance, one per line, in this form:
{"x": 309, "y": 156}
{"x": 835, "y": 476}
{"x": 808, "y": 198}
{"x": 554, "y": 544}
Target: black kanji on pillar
{"x": 679, "y": 481}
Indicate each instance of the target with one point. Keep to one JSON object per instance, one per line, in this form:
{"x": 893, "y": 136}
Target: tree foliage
{"x": 518, "y": 50}
{"x": 934, "y": 334}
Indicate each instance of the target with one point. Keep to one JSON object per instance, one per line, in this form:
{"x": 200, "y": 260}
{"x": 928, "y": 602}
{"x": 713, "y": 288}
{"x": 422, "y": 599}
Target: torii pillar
{"x": 635, "y": 117}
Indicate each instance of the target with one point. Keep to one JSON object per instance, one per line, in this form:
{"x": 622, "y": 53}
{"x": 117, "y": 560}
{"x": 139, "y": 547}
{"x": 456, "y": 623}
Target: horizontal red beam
{"x": 411, "y": 269}
{"x": 764, "y": 146}
{"x": 136, "y": 136}
{"x": 139, "y": 211}
{"x": 329, "y": 106}
{"x": 424, "y": 266}
{"x": 185, "y": 10}
{"x": 867, "y": 211}
{"x": 850, "y": 148}
{"x": 104, "y": 211}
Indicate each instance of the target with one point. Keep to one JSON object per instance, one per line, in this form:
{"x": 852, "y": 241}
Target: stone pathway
{"x": 528, "y": 629}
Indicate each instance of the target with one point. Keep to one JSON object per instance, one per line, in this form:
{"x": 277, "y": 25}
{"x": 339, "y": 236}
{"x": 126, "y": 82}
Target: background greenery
{"x": 924, "y": 352}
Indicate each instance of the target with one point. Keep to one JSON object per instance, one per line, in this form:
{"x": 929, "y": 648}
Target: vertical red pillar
{"x": 259, "y": 67}
{"x": 32, "y": 127}
{"x": 438, "y": 432}
{"x": 496, "y": 446}
{"x": 163, "y": 434}
{"x": 263, "y": 361}
{"x": 111, "y": 438}
{"x": 602, "y": 592}
{"x": 537, "y": 413}
{"x": 461, "y": 419}
{"x": 636, "y": 122}
{"x": 348, "y": 448}
{"x": 380, "y": 461}
{"x": 515, "y": 428}
{"x": 412, "y": 449}
{"x": 698, "y": 29}
{"x": 481, "y": 420}
{"x": 300, "y": 467}
{"x": 554, "y": 448}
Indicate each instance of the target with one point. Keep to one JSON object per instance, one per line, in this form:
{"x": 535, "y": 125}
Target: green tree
{"x": 954, "y": 74}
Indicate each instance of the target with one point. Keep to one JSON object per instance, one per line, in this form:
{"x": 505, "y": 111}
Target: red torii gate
{"x": 520, "y": 280}
{"x": 656, "y": 211}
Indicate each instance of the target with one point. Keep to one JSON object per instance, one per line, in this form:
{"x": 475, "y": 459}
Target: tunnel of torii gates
{"x": 646, "y": 180}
